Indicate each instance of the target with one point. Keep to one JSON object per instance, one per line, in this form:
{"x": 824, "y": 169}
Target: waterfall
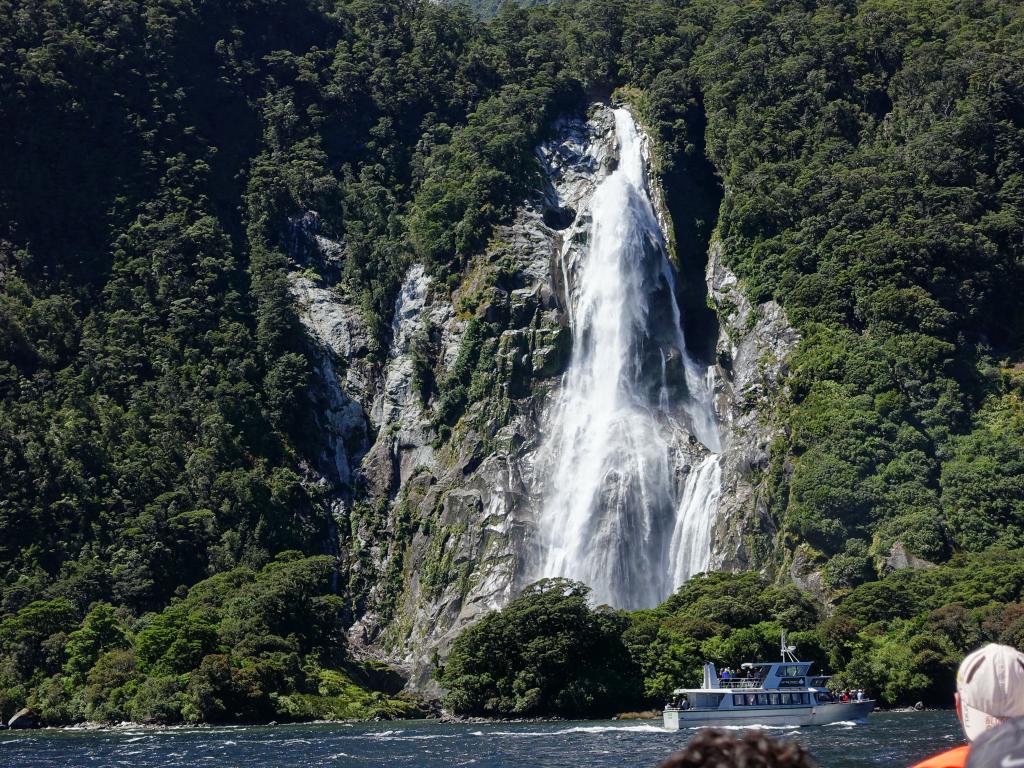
{"x": 613, "y": 515}
{"x": 691, "y": 540}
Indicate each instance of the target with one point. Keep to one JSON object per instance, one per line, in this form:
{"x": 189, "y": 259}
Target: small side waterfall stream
{"x": 613, "y": 513}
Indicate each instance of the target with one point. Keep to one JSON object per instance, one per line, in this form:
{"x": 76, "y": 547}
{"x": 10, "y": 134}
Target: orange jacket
{"x": 951, "y": 758}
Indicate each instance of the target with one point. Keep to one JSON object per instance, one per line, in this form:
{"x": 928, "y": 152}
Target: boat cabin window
{"x": 708, "y": 700}
{"x": 824, "y": 697}
{"x": 755, "y": 671}
{"x": 792, "y": 670}
{"x": 771, "y": 699}
{"x": 793, "y": 698}
{"x": 745, "y": 699}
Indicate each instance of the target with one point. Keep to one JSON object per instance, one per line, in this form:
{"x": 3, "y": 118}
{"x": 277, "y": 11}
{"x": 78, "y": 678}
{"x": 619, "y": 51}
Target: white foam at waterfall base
{"x": 612, "y": 515}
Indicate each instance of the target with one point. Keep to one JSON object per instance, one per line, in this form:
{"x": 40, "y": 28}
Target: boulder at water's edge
{"x": 25, "y": 718}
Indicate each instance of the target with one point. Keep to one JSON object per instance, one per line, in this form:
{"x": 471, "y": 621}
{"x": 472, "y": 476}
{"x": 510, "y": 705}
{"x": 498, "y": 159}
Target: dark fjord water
{"x": 888, "y": 739}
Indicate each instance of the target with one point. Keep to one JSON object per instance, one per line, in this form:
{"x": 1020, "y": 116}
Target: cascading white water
{"x": 613, "y": 515}
{"x": 691, "y": 538}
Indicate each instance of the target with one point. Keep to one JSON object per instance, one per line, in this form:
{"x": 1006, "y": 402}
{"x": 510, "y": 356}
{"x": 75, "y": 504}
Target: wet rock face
{"x": 753, "y": 350}
{"x": 574, "y": 165}
{"x": 339, "y": 339}
{"x": 475, "y": 496}
{"x": 805, "y": 571}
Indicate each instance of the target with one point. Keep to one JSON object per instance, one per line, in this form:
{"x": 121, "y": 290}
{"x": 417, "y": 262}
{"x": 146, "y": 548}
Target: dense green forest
{"x": 154, "y": 437}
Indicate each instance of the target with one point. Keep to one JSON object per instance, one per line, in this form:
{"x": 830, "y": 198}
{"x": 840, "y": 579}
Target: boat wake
{"x": 577, "y": 729}
{"x": 400, "y": 735}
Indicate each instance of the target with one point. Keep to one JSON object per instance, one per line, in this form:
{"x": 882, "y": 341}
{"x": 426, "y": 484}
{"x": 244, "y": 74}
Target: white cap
{"x": 990, "y": 682}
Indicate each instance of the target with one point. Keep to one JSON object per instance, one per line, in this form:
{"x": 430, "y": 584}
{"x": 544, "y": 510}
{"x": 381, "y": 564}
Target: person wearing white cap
{"x": 999, "y": 747}
{"x": 989, "y": 690}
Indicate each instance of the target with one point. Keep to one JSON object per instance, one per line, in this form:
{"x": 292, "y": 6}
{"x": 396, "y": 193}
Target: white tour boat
{"x": 769, "y": 693}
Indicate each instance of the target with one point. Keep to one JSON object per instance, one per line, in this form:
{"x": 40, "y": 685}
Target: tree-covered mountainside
{"x": 152, "y": 366}
{"x": 871, "y": 157}
{"x": 488, "y": 9}
{"x": 155, "y": 437}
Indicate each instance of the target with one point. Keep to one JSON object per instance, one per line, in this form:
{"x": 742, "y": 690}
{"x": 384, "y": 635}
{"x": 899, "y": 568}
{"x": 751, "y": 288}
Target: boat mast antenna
{"x": 788, "y": 650}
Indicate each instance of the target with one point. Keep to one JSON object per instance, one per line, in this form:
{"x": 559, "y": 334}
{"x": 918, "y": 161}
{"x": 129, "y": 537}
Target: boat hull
{"x": 819, "y": 714}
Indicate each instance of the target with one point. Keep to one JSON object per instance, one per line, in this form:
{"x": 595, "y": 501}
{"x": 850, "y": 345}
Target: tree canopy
{"x": 547, "y": 652}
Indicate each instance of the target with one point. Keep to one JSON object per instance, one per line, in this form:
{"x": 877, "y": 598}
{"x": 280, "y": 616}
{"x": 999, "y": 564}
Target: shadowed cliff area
{"x": 693, "y": 193}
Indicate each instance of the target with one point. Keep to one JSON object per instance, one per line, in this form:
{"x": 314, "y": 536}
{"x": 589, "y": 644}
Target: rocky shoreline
{"x": 444, "y": 717}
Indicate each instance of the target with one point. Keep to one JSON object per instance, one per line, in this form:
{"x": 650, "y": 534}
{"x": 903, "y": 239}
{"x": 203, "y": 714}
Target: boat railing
{"x": 739, "y": 682}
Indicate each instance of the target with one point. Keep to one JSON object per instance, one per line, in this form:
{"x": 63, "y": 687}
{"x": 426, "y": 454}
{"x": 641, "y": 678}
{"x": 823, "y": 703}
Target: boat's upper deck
{"x": 767, "y": 676}
{"x": 788, "y": 682}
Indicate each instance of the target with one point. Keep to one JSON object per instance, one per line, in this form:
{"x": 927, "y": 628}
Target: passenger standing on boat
{"x": 685, "y": 703}
{"x": 726, "y": 673}
{"x": 989, "y": 690}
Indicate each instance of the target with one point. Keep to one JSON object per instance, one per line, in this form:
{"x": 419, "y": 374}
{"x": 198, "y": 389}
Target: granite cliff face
{"x": 753, "y": 349}
{"x": 427, "y": 453}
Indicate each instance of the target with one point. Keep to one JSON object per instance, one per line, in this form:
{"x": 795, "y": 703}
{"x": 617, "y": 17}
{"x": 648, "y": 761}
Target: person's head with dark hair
{"x": 715, "y": 748}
